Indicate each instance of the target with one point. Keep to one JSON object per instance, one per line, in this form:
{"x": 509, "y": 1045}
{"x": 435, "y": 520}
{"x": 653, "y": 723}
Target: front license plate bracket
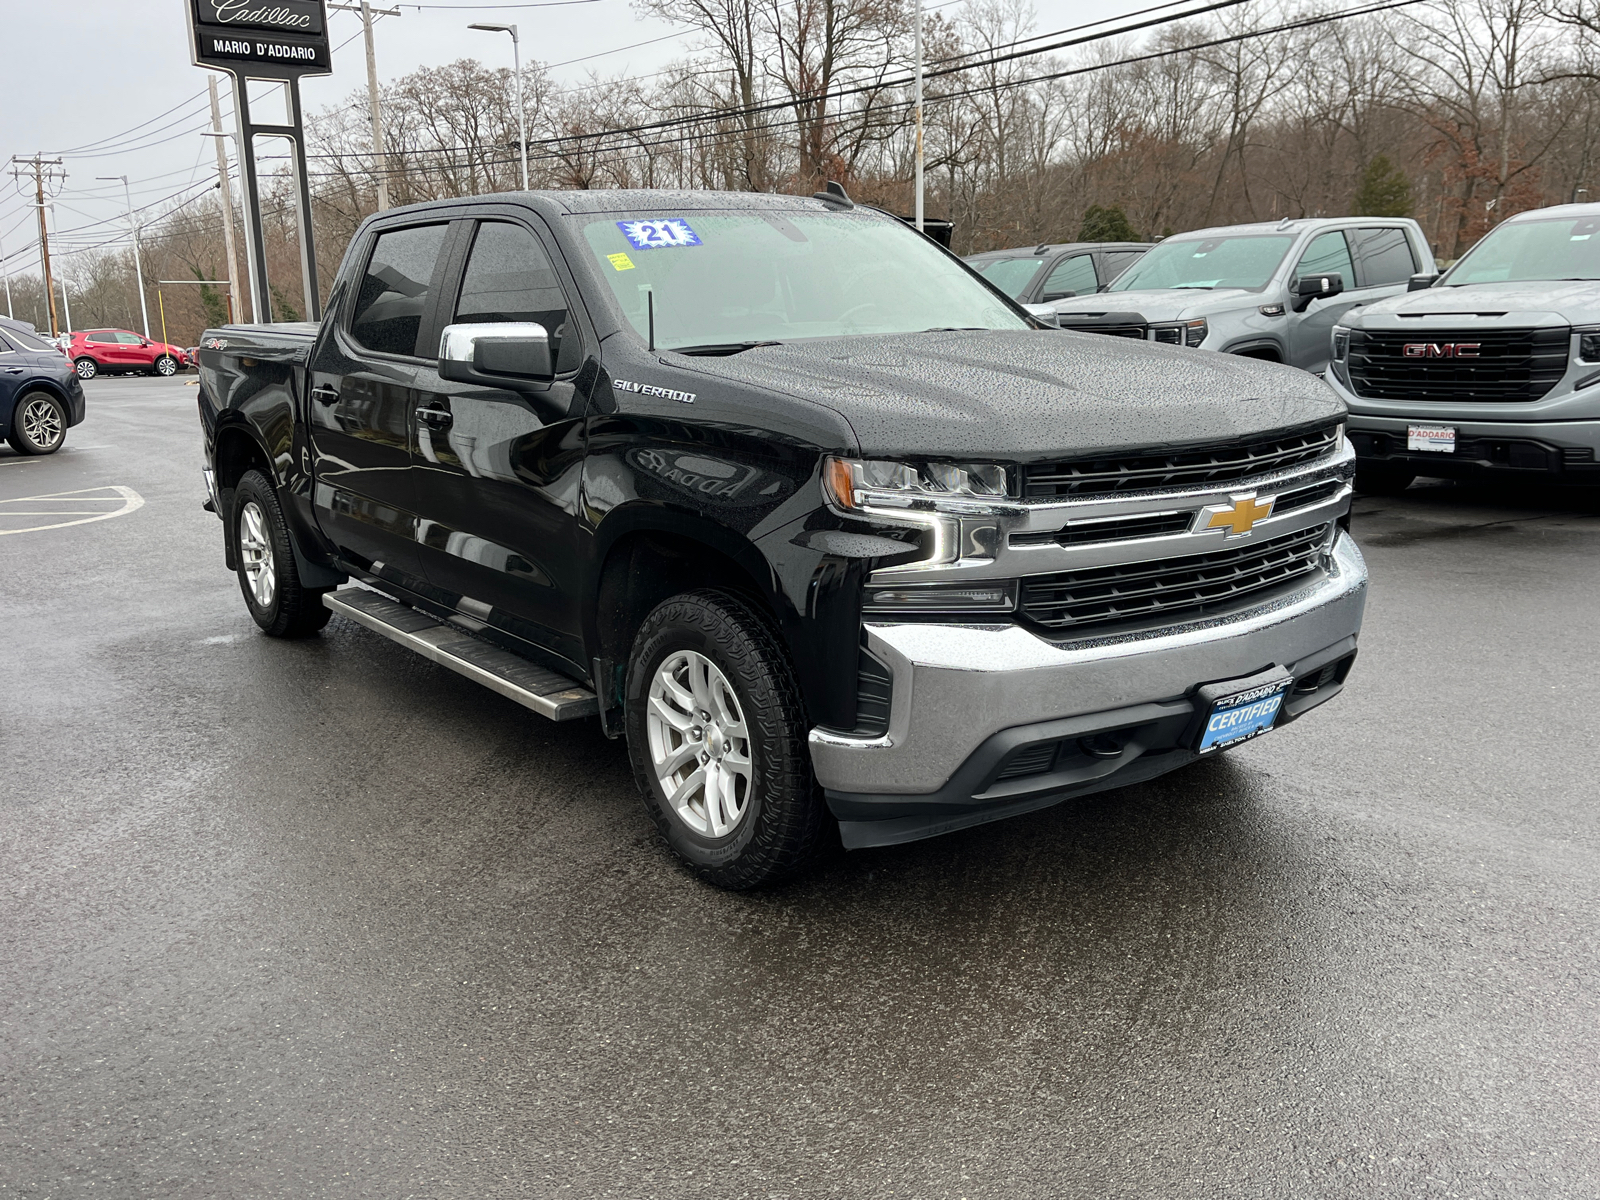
{"x": 1236, "y": 710}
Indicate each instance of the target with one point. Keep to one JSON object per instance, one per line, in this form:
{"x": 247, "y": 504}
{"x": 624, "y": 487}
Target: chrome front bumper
{"x": 959, "y": 689}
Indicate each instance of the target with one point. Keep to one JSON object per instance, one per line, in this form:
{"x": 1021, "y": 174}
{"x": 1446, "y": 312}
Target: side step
{"x": 544, "y": 691}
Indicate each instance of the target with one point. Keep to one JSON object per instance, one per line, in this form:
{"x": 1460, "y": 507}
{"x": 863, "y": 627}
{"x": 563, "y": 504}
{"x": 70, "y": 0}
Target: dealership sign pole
{"x": 276, "y": 41}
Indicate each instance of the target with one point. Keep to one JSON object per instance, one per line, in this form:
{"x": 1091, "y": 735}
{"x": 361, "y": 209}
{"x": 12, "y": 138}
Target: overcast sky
{"x": 94, "y": 70}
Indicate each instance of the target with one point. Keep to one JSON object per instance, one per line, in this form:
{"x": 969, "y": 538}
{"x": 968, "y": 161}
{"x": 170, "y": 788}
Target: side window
{"x": 1328, "y": 254}
{"x": 103, "y": 337}
{"x": 509, "y": 277}
{"x": 1384, "y": 256}
{"x": 130, "y": 339}
{"x": 387, "y": 316}
{"x": 5, "y": 346}
{"x": 1076, "y": 274}
{"x": 1118, "y": 261}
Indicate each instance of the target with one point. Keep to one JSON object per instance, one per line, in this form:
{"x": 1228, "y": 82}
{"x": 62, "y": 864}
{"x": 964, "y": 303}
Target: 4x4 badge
{"x": 1238, "y": 518}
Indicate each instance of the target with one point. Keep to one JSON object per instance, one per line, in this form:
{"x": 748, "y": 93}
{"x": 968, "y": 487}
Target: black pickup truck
{"x": 785, "y": 494}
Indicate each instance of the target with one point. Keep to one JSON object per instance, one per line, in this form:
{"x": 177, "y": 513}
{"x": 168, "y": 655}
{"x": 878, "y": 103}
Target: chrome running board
{"x": 544, "y": 691}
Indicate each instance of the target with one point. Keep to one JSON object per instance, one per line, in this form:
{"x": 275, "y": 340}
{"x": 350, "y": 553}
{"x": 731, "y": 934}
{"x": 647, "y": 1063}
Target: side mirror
{"x": 1049, "y": 296}
{"x": 1421, "y": 283}
{"x": 1316, "y": 287}
{"x": 496, "y": 354}
{"x": 1044, "y": 314}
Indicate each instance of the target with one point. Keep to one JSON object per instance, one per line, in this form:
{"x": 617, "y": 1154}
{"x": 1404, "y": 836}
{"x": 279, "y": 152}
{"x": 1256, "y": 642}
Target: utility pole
{"x": 227, "y": 203}
{"x": 42, "y": 169}
{"x": 919, "y": 116}
{"x": 380, "y": 158}
{"x": 133, "y": 225}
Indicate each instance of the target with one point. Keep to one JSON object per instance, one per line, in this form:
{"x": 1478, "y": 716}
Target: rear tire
{"x": 166, "y": 366}
{"x": 1382, "y": 481}
{"x": 268, "y": 576}
{"x": 38, "y": 424}
{"x": 87, "y": 368}
{"x": 714, "y": 714}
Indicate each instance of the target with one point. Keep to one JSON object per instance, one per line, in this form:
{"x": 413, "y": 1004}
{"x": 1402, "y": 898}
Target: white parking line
{"x": 82, "y": 507}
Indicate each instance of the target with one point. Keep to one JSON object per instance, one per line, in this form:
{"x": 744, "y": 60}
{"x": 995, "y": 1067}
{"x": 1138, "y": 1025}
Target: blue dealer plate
{"x": 1242, "y": 716}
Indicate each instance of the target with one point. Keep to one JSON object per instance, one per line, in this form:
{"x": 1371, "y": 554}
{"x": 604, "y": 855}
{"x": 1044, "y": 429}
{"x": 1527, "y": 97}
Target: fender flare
{"x": 1245, "y": 345}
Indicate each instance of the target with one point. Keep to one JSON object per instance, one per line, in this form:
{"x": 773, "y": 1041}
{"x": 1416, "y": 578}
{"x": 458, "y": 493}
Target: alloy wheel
{"x": 255, "y": 555}
{"x": 41, "y": 423}
{"x": 166, "y": 366}
{"x": 699, "y": 744}
{"x": 86, "y": 368}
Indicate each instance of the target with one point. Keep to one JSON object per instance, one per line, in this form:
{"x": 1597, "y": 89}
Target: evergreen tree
{"x": 1384, "y": 192}
{"x": 1106, "y": 225}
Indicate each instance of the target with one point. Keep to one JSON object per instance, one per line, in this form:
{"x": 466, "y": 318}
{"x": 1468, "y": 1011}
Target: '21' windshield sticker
{"x": 659, "y": 235}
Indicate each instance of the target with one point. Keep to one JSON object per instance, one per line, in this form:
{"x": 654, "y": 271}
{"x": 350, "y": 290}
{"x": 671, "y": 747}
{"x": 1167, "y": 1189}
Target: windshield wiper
{"x": 721, "y": 348}
{"x": 953, "y": 329}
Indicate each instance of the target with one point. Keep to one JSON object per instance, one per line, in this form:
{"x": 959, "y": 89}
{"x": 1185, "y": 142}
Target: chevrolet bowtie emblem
{"x": 1238, "y": 518}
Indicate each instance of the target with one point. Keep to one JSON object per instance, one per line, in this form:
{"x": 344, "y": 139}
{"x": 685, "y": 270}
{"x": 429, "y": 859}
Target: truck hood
{"x": 1162, "y": 304}
{"x": 1547, "y": 302}
{"x": 1028, "y": 395}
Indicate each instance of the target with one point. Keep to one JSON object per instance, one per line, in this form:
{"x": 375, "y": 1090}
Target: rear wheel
{"x": 38, "y": 425}
{"x": 87, "y": 368}
{"x": 166, "y": 366}
{"x": 1382, "y": 481}
{"x": 717, "y": 736}
{"x": 268, "y": 576}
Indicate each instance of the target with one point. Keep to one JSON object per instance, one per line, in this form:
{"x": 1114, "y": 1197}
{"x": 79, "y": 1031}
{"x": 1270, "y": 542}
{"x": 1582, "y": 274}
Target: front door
{"x": 498, "y": 469}
{"x": 1311, "y": 331}
{"x": 368, "y": 376}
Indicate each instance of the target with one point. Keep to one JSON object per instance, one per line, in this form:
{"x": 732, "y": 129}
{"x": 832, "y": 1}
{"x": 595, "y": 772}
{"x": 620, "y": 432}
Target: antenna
{"x": 650, "y": 305}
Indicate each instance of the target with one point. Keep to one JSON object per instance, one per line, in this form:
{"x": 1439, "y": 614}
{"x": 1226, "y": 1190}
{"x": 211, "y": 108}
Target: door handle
{"x": 435, "y": 418}
{"x": 323, "y": 394}
{"x": 14, "y": 370}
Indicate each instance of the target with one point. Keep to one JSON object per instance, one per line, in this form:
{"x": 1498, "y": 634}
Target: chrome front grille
{"x": 1197, "y": 466}
{"x": 1172, "y": 589}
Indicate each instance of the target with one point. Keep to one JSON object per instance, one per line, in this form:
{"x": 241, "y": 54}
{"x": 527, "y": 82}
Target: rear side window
{"x": 1383, "y": 256}
{"x": 103, "y": 337}
{"x": 395, "y": 290}
{"x": 1075, "y": 275}
{"x": 509, "y": 277}
{"x": 1328, "y": 255}
{"x": 27, "y": 341}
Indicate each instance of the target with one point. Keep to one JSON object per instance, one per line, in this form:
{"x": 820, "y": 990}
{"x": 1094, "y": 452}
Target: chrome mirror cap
{"x": 497, "y": 353}
{"x": 1044, "y": 312}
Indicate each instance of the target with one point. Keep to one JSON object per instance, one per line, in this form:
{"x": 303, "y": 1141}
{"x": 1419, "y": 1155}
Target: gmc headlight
{"x": 859, "y": 486}
{"x": 1341, "y": 343}
{"x": 1184, "y": 333}
{"x": 1589, "y": 346}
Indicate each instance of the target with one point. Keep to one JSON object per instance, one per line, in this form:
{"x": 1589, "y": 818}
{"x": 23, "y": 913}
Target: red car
{"x": 117, "y": 351}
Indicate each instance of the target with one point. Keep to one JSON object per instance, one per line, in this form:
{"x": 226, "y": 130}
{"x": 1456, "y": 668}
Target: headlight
{"x": 1185, "y": 333}
{"x": 861, "y": 485}
{"x": 1589, "y": 346}
{"x": 1341, "y": 343}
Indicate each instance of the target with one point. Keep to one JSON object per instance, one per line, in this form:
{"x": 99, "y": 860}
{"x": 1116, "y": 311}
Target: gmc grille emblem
{"x": 1442, "y": 349}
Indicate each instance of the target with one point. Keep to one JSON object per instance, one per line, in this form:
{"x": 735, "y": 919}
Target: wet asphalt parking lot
{"x": 321, "y": 919}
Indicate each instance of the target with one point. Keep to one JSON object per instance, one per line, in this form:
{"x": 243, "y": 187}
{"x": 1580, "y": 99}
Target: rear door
{"x": 498, "y": 470}
{"x": 370, "y": 371}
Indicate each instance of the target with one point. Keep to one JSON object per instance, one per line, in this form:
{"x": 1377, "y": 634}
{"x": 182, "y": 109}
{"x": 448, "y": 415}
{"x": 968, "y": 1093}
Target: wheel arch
{"x": 1266, "y": 349}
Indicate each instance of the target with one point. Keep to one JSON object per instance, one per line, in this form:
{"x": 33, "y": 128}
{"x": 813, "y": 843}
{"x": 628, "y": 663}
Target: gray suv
{"x": 1056, "y": 270}
{"x": 1269, "y": 290}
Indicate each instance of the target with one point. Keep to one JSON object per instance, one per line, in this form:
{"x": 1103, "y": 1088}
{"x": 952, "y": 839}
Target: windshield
{"x": 1232, "y": 262}
{"x": 1527, "y": 251}
{"x": 722, "y": 279}
{"x": 1011, "y": 275}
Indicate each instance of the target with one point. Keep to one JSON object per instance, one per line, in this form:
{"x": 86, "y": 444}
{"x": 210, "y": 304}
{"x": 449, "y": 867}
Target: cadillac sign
{"x": 287, "y": 37}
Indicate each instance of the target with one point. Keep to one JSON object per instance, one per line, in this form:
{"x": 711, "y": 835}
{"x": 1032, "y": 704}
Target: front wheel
{"x": 166, "y": 366}
{"x": 86, "y": 368}
{"x": 1382, "y": 481}
{"x": 268, "y": 576}
{"x": 38, "y": 425}
{"x": 717, "y": 736}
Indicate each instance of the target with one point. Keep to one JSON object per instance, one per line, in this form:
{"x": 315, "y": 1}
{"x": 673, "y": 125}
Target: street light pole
{"x": 919, "y": 116}
{"x": 66, "y": 304}
{"x": 6, "y": 269}
{"x": 138, "y": 267}
{"x": 516, "y": 58}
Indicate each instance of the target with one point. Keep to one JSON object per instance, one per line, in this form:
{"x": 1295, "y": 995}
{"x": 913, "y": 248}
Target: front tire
{"x": 717, "y": 736}
{"x": 38, "y": 425}
{"x": 87, "y": 368}
{"x": 1382, "y": 481}
{"x": 268, "y": 576}
{"x": 166, "y": 366}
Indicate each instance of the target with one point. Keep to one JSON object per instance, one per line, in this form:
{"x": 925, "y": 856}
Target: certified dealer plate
{"x": 1441, "y": 439}
{"x": 1240, "y": 716}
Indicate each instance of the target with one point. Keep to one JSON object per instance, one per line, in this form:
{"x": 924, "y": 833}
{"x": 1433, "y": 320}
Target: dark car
{"x": 40, "y": 396}
{"x": 1056, "y": 271}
